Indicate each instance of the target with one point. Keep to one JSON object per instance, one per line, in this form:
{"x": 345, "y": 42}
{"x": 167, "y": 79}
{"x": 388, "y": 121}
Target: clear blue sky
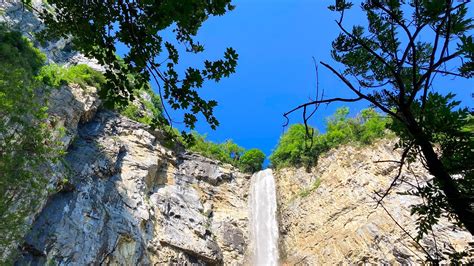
{"x": 275, "y": 40}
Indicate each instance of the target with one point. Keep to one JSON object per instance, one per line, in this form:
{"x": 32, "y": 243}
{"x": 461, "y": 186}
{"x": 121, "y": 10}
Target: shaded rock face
{"x": 131, "y": 201}
{"x": 337, "y": 223}
{"x": 18, "y": 18}
{"x": 14, "y": 14}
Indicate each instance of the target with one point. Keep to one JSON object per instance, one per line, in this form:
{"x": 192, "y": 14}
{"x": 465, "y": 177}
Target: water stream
{"x": 263, "y": 220}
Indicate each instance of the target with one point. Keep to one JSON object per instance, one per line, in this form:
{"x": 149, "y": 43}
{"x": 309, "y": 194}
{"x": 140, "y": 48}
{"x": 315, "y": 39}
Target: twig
{"x": 395, "y": 179}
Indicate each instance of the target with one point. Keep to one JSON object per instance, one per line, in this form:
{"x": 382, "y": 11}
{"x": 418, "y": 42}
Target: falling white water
{"x": 263, "y": 222}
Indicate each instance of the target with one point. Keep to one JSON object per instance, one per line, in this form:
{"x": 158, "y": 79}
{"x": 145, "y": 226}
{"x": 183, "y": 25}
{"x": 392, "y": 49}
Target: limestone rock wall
{"x": 337, "y": 222}
{"x": 130, "y": 201}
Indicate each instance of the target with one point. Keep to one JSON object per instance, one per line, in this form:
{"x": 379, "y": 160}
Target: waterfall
{"x": 263, "y": 222}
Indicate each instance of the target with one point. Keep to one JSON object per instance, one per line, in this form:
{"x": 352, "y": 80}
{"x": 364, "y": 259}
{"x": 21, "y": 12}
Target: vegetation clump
{"x": 296, "y": 148}
{"x": 26, "y": 142}
{"x": 252, "y": 160}
{"x": 146, "y": 108}
{"x": 249, "y": 161}
{"x": 55, "y": 75}
{"x": 307, "y": 191}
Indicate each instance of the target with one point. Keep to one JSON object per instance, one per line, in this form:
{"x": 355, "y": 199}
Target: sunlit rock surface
{"x": 130, "y": 200}
{"x": 338, "y": 223}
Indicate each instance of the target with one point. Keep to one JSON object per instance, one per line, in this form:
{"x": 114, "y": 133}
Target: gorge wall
{"x": 130, "y": 201}
{"x": 329, "y": 216}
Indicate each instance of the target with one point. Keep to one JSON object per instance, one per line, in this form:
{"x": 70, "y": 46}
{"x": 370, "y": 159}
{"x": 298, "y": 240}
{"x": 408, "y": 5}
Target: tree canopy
{"x": 296, "y": 148}
{"x": 96, "y": 27}
{"x": 252, "y": 160}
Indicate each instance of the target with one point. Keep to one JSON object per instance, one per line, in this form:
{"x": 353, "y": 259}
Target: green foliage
{"x": 55, "y": 76}
{"x": 97, "y": 26}
{"x": 367, "y": 126}
{"x": 451, "y": 128}
{"x": 252, "y": 161}
{"x": 339, "y": 129}
{"x": 227, "y": 152}
{"x": 26, "y": 142}
{"x": 372, "y": 126}
{"x": 296, "y": 148}
{"x": 19, "y": 57}
{"x": 146, "y": 108}
{"x": 293, "y": 148}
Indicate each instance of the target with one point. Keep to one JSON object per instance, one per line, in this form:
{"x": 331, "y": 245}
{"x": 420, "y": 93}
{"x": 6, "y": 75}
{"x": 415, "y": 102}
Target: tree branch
{"x": 361, "y": 95}
{"x": 395, "y": 179}
{"x": 377, "y": 56}
{"x": 316, "y": 102}
{"x": 408, "y": 234}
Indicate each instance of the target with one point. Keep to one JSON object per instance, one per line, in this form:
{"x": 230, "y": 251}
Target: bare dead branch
{"x": 361, "y": 95}
{"x": 399, "y": 174}
{"x": 388, "y": 161}
{"x": 442, "y": 72}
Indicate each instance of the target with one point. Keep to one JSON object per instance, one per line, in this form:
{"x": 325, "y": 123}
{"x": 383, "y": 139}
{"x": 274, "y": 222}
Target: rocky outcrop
{"x": 130, "y": 200}
{"x": 329, "y": 216}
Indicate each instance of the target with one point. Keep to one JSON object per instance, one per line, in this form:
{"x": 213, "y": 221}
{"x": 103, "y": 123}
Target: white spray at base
{"x": 263, "y": 219}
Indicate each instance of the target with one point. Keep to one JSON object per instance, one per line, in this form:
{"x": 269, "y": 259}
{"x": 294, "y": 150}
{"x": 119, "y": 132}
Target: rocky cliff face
{"x": 120, "y": 197}
{"x": 328, "y": 216}
{"x": 128, "y": 201}
{"x": 123, "y": 198}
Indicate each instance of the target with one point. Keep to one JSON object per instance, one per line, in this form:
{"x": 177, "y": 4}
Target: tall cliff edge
{"x": 130, "y": 201}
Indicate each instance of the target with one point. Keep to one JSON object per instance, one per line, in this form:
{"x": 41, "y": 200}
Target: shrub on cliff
{"x": 83, "y": 75}
{"x": 146, "y": 108}
{"x": 296, "y": 148}
{"x": 367, "y": 126}
{"x": 227, "y": 152}
{"x": 252, "y": 161}
{"x": 293, "y": 149}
